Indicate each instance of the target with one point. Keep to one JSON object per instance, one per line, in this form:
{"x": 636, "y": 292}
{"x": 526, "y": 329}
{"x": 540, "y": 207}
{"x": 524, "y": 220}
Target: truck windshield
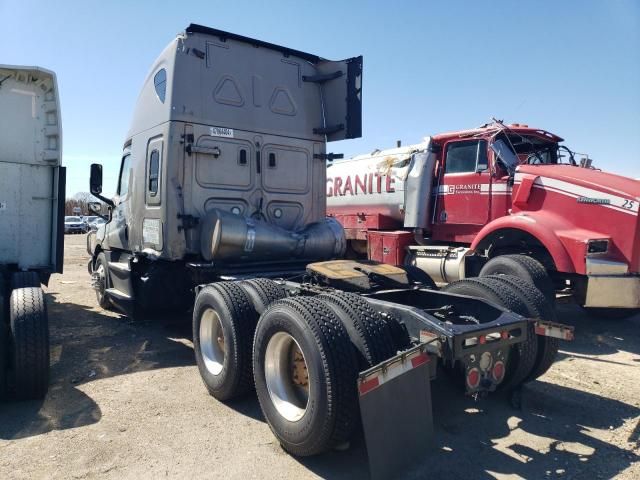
{"x": 505, "y": 154}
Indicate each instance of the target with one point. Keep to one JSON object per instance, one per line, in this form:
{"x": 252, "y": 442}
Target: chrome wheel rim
{"x": 100, "y": 281}
{"x": 287, "y": 376}
{"x": 212, "y": 341}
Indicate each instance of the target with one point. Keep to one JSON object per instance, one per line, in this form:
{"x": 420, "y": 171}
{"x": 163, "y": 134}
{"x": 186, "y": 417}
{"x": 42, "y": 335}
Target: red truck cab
{"x": 492, "y": 191}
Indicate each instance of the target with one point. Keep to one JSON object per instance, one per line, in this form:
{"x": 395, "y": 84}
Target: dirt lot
{"x": 126, "y": 401}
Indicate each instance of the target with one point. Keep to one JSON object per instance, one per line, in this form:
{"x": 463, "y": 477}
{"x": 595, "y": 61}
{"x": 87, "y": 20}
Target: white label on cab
{"x": 151, "y": 231}
{"x": 221, "y": 132}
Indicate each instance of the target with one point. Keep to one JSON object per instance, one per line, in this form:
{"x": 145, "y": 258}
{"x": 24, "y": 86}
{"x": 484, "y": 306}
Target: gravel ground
{"x": 126, "y": 401}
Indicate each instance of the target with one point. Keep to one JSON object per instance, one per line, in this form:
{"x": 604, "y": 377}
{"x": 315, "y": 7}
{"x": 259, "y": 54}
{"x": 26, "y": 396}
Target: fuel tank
{"x": 396, "y": 183}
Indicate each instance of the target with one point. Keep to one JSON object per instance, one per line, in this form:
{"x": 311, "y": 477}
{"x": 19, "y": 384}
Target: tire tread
{"x": 30, "y": 342}
{"x": 262, "y": 292}
{"x": 243, "y": 322}
{"x": 374, "y": 341}
{"x": 540, "y": 308}
{"x": 340, "y": 364}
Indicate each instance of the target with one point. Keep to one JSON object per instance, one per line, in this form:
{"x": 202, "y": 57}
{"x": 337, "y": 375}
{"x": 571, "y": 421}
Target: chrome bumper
{"x": 610, "y": 286}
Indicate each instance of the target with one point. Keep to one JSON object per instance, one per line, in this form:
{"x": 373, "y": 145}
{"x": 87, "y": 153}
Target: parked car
{"x": 75, "y": 225}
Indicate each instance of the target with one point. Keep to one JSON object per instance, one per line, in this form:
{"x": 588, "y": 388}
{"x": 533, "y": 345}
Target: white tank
{"x": 377, "y": 182}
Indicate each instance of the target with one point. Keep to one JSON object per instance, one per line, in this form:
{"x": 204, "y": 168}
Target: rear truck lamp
{"x": 597, "y": 246}
{"x": 498, "y": 371}
{"x": 504, "y": 335}
{"x": 482, "y": 339}
{"x": 473, "y": 378}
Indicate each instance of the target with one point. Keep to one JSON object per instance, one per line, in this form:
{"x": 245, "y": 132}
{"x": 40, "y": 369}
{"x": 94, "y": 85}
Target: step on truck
{"x": 221, "y": 199}
{"x": 498, "y": 199}
{"x": 32, "y": 196}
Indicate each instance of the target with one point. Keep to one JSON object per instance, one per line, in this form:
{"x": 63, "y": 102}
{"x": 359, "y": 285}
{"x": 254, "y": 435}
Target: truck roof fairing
{"x": 222, "y": 35}
{"x": 212, "y": 77}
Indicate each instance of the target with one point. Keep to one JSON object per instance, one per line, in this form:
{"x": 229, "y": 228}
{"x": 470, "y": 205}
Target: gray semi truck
{"x": 221, "y": 199}
{"x": 32, "y": 195}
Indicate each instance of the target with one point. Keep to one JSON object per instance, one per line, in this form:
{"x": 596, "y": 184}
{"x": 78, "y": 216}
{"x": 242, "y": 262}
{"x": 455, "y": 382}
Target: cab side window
{"x": 125, "y": 173}
{"x": 466, "y": 156}
{"x": 153, "y": 194}
{"x": 154, "y": 173}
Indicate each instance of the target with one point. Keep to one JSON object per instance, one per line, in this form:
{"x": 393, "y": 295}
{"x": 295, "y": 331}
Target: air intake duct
{"x": 227, "y": 237}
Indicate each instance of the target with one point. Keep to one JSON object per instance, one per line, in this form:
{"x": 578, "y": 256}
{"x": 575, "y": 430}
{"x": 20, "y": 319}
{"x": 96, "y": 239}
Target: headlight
{"x": 597, "y": 246}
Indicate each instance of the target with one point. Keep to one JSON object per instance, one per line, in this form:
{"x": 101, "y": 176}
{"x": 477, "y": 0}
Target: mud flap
{"x": 395, "y": 406}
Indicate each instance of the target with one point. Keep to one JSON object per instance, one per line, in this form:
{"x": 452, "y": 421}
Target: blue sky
{"x": 570, "y": 67}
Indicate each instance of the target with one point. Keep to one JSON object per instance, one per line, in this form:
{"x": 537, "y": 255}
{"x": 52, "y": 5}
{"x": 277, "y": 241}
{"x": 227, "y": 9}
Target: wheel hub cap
{"x": 212, "y": 345}
{"x": 287, "y": 376}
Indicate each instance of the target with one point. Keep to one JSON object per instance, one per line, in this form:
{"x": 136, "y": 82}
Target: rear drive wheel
{"x": 100, "y": 276}
{"x": 524, "y": 267}
{"x": 367, "y": 329}
{"x": 224, "y": 321}
{"x": 262, "y": 292}
{"x": 30, "y": 343}
{"x": 538, "y": 308}
{"x": 399, "y": 333}
{"x": 25, "y": 280}
{"x": 305, "y": 372}
{"x": 522, "y": 356}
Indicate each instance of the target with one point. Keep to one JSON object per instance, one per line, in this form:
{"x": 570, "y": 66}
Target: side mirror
{"x": 95, "y": 182}
{"x": 95, "y": 207}
{"x": 586, "y": 162}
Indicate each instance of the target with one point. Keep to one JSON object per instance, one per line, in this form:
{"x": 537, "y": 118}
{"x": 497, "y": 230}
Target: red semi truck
{"x": 498, "y": 199}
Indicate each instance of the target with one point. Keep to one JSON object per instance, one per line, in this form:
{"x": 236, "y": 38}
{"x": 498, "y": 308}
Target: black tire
{"x": 399, "y": 333}
{"x": 416, "y": 275}
{"x": 611, "y": 313}
{"x": 25, "y": 280}
{"x": 522, "y": 357}
{"x": 4, "y": 344}
{"x": 539, "y": 307}
{"x": 230, "y": 376}
{"x": 101, "y": 263}
{"x": 29, "y": 343}
{"x": 330, "y": 413}
{"x": 262, "y": 292}
{"x": 524, "y": 267}
{"x": 367, "y": 329}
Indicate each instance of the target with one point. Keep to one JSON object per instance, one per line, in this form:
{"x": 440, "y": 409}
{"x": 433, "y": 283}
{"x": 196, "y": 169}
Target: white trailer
{"x": 32, "y": 187}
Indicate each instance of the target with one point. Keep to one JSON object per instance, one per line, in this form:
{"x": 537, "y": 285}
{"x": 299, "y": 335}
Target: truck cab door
{"x": 463, "y": 197}
{"x": 341, "y": 87}
{"x": 117, "y": 230}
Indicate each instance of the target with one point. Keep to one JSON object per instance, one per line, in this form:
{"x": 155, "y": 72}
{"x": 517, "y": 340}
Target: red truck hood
{"x": 607, "y": 204}
{"x": 609, "y": 183}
